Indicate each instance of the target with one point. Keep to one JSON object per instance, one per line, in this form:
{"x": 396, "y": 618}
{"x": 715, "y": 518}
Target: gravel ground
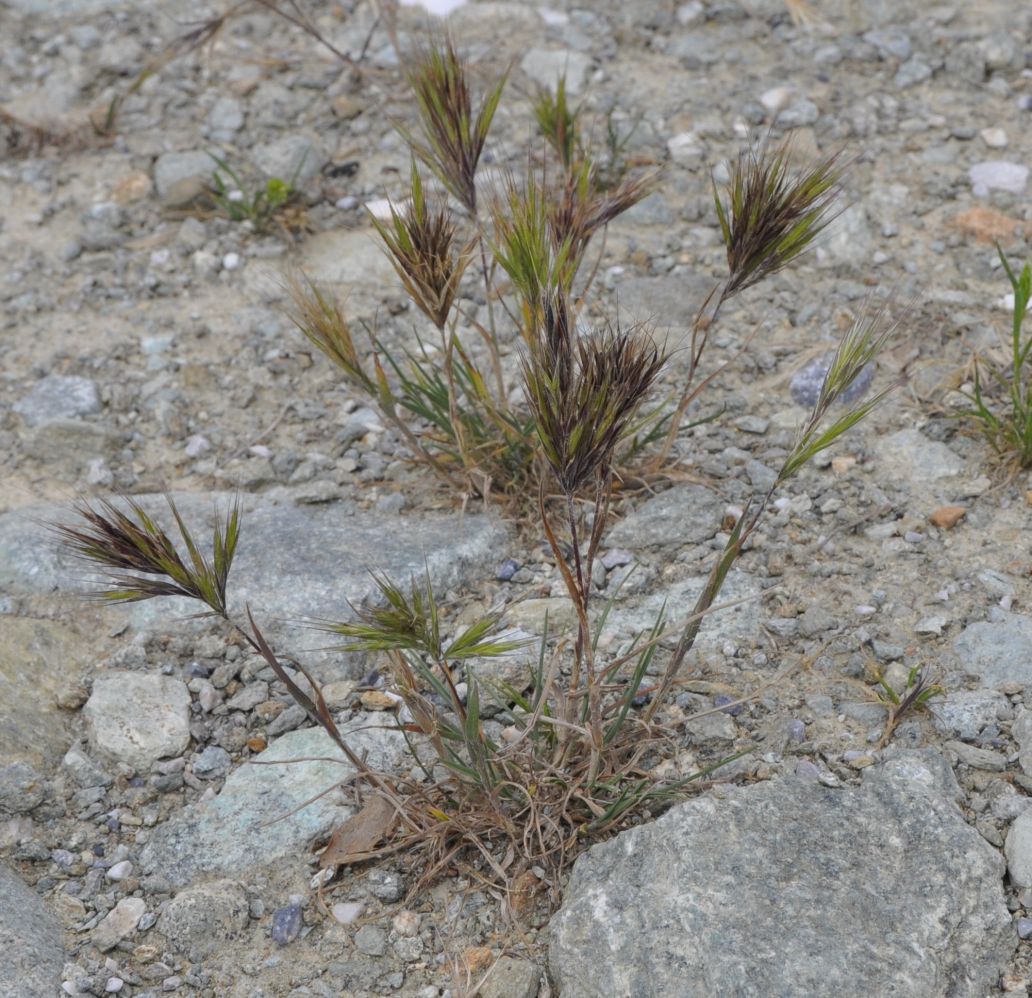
{"x": 146, "y": 348}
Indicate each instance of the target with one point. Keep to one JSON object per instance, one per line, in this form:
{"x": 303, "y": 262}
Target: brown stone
{"x": 133, "y": 187}
{"x": 988, "y": 226}
{"x": 947, "y": 517}
{"x": 375, "y": 700}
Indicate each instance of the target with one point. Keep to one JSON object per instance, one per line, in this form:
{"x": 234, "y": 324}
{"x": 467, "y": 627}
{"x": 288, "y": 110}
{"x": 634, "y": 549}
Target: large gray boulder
{"x": 31, "y": 943}
{"x": 792, "y": 889}
{"x": 38, "y": 659}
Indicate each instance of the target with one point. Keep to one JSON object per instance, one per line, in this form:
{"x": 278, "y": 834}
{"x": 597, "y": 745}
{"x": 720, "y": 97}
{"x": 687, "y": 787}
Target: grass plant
{"x": 1001, "y": 399}
{"x": 584, "y": 738}
{"x": 584, "y": 732}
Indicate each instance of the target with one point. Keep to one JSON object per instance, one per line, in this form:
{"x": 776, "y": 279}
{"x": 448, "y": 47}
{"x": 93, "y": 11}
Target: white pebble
{"x": 776, "y": 98}
{"x": 347, "y": 203}
{"x": 114, "y": 985}
{"x": 684, "y": 147}
{"x": 346, "y": 912}
{"x": 197, "y": 445}
{"x": 231, "y": 261}
{"x": 994, "y": 138}
{"x": 865, "y": 610}
{"x": 120, "y": 870}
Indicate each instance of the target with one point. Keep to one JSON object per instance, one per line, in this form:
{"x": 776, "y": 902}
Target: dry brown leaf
{"x": 360, "y": 834}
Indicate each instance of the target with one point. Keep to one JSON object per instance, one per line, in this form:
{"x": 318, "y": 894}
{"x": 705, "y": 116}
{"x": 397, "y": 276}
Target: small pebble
{"x": 806, "y": 383}
{"x": 114, "y": 985}
{"x": 796, "y": 732}
{"x": 231, "y": 261}
{"x": 808, "y": 771}
{"x": 507, "y": 569}
{"x": 616, "y": 558}
{"x": 998, "y": 175}
{"x": 120, "y": 871}
{"x": 196, "y": 446}
{"x": 947, "y": 517}
{"x": 723, "y": 699}
{"x": 1024, "y": 927}
{"x": 994, "y": 138}
{"x": 347, "y": 912}
{"x": 286, "y": 924}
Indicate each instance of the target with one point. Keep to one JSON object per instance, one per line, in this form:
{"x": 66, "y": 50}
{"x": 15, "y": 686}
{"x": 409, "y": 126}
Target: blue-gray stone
{"x": 258, "y": 818}
{"x": 806, "y": 383}
{"x": 286, "y": 924}
{"x": 58, "y": 397}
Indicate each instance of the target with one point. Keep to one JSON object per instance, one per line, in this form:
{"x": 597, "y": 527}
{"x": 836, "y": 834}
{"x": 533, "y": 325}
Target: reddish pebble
{"x": 947, "y": 517}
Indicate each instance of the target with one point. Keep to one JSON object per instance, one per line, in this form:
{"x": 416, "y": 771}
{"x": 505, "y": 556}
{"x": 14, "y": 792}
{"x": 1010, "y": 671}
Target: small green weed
{"x": 1001, "y": 400}
{"x": 257, "y": 205}
{"x": 914, "y": 697}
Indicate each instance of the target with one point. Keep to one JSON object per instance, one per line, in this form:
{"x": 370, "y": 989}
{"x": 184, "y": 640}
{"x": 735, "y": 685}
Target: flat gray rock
{"x": 685, "y": 514}
{"x": 966, "y": 712}
{"x": 908, "y": 455}
{"x": 637, "y": 615}
{"x": 292, "y": 562}
{"x": 31, "y": 941}
{"x": 999, "y": 651}
{"x": 667, "y": 303}
{"x": 792, "y": 889}
{"x": 258, "y": 819}
{"x": 57, "y": 397}
{"x": 353, "y": 264}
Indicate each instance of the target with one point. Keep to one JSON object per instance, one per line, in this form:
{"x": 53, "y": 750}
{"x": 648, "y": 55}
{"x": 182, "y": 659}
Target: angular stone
{"x": 909, "y": 456}
{"x": 137, "y": 718}
{"x": 512, "y": 978}
{"x": 57, "y": 397}
{"x": 31, "y": 940}
{"x": 685, "y": 514}
{"x": 792, "y": 889}
{"x": 258, "y": 819}
{"x": 118, "y": 923}
{"x": 202, "y": 919}
{"x": 544, "y": 67}
{"x": 967, "y": 712}
{"x": 38, "y": 658}
{"x": 998, "y": 651}
{"x": 173, "y": 169}
{"x": 292, "y": 562}
{"x": 296, "y": 158}
{"x": 352, "y": 263}
{"x": 67, "y": 446}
